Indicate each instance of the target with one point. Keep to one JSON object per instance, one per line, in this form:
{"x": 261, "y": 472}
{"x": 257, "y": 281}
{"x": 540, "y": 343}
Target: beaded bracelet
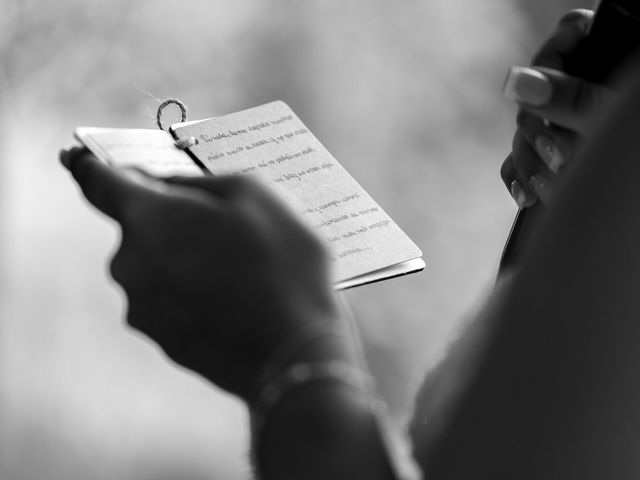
{"x": 293, "y": 344}
{"x": 337, "y": 372}
{"x": 301, "y": 374}
{"x": 297, "y": 376}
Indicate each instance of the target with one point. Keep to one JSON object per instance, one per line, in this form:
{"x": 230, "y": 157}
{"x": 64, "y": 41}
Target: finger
{"x": 521, "y": 193}
{"x": 229, "y": 187}
{"x": 543, "y": 186}
{"x": 110, "y": 190}
{"x": 531, "y": 171}
{"x": 564, "y": 41}
{"x": 554, "y": 145}
{"x": 123, "y": 267}
{"x": 66, "y": 154}
{"x": 244, "y": 192}
{"x": 566, "y": 101}
{"x": 225, "y": 187}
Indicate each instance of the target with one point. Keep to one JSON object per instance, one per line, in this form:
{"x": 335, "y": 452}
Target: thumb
{"x": 109, "y": 189}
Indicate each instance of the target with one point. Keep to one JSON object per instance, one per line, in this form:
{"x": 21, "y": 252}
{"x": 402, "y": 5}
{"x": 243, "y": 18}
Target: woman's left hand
{"x": 557, "y": 112}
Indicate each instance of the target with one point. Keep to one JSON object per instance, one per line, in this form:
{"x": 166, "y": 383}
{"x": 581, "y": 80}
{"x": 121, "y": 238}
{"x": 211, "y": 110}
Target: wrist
{"x": 308, "y": 421}
{"x": 321, "y": 421}
{"x": 318, "y": 340}
{"x": 333, "y": 343}
{"x": 308, "y": 432}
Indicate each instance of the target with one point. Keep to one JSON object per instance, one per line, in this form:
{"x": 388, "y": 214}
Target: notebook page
{"x": 271, "y": 142}
{"x": 150, "y": 150}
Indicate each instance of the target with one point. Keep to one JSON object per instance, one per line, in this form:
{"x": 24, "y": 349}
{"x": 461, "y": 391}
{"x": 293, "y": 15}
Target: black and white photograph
{"x": 319, "y": 240}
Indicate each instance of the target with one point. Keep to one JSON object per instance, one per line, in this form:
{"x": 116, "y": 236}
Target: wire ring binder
{"x": 165, "y": 104}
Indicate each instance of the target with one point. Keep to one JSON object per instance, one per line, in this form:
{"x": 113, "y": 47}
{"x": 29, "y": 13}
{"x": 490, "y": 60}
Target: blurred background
{"x": 406, "y": 95}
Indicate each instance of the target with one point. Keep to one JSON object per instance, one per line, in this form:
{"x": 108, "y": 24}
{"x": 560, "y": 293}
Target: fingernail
{"x": 542, "y": 187}
{"x": 518, "y": 194}
{"x": 549, "y": 153}
{"x": 528, "y": 86}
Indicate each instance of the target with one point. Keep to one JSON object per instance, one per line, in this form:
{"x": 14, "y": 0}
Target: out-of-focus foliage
{"x": 405, "y": 94}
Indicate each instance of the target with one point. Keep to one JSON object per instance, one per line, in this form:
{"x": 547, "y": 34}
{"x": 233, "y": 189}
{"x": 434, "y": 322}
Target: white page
{"x": 271, "y": 142}
{"x": 151, "y": 150}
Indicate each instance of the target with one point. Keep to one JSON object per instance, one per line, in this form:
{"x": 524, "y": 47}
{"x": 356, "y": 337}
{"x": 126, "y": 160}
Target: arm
{"x": 554, "y": 387}
{"x": 222, "y": 277}
{"x": 541, "y": 384}
{"x": 324, "y": 432}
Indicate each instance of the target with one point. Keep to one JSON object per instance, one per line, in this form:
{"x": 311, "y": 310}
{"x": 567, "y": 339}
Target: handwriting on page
{"x": 271, "y": 142}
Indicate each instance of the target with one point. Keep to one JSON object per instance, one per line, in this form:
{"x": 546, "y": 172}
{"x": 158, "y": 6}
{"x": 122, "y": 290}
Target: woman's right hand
{"x": 216, "y": 271}
{"x": 557, "y": 112}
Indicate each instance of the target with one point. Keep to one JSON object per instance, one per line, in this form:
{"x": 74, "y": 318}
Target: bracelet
{"x": 336, "y": 372}
{"x": 301, "y": 374}
{"x": 273, "y": 391}
{"x": 291, "y": 345}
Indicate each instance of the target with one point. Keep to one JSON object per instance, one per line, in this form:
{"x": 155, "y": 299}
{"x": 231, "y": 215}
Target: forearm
{"x": 321, "y": 432}
{"x": 316, "y": 416}
{"x": 555, "y": 390}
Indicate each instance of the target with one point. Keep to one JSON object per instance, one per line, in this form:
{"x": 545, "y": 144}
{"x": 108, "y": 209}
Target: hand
{"x": 557, "y": 112}
{"x": 216, "y": 271}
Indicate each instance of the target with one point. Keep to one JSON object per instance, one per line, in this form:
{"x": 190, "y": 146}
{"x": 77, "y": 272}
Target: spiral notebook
{"x": 271, "y": 143}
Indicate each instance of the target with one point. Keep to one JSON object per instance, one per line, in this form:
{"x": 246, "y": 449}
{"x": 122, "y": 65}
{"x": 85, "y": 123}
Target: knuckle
{"x": 125, "y": 269}
{"x": 578, "y": 18}
{"x": 239, "y": 186}
{"x": 250, "y": 186}
{"x": 119, "y": 270}
{"x": 571, "y": 29}
{"x": 507, "y": 171}
{"x": 239, "y": 182}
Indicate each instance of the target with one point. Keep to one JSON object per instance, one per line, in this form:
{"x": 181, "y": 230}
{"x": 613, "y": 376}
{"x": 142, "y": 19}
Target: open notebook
{"x": 271, "y": 143}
